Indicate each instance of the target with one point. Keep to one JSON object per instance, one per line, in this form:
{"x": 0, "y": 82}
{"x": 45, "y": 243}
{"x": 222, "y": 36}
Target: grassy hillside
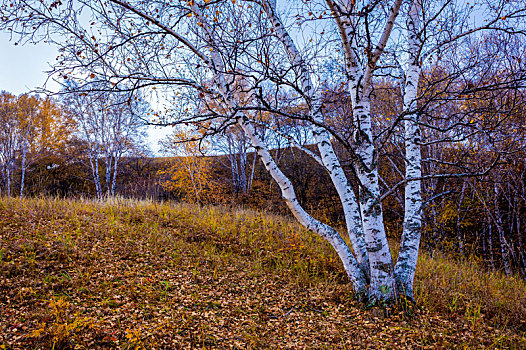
{"x": 131, "y": 275}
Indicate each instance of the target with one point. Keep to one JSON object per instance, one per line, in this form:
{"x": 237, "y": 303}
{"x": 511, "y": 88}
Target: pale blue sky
{"x": 23, "y": 68}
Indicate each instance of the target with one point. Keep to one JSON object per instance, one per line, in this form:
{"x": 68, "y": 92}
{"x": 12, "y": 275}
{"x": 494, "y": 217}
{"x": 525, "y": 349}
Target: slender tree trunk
{"x": 97, "y": 178}
{"x": 484, "y": 252}
{"x": 235, "y": 171}
{"x": 243, "y": 171}
{"x": 460, "y": 238}
{"x": 94, "y": 163}
{"x": 354, "y": 271}
{"x": 108, "y": 172}
{"x": 504, "y": 251}
{"x": 412, "y": 230}
{"x": 522, "y": 262}
{"x": 511, "y": 223}
{"x": 353, "y": 220}
{"x": 23, "y": 168}
{"x": 500, "y": 229}
{"x": 114, "y": 180}
{"x": 350, "y": 264}
{"x": 252, "y": 170}
{"x": 8, "y": 177}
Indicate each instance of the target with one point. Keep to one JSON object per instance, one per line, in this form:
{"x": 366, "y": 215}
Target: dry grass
{"x": 129, "y": 274}
{"x": 465, "y": 289}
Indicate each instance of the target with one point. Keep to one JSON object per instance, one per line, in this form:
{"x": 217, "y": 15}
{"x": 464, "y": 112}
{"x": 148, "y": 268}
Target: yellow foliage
{"x": 190, "y": 176}
{"x": 65, "y": 325}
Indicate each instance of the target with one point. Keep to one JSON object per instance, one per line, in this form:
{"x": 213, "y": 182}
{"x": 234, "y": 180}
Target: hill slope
{"x": 127, "y": 274}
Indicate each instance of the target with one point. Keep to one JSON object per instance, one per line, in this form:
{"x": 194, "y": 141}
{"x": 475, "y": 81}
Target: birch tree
{"x": 110, "y": 124}
{"x": 23, "y": 121}
{"x": 195, "y": 49}
{"x": 9, "y": 139}
{"x": 28, "y": 109}
{"x": 190, "y": 174}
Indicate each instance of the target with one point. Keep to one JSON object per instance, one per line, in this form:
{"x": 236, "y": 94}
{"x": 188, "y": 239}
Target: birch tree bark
{"x": 328, "y": 156}
{"x": 412, "y": 230}
{"x": 10, "y": 138}
{"x": 351, "y": 266}
{"x": 359, "y": 82}
{"x": 23, "y": 166}
{"x": 28, "y": 108}
{"x": 504, "y": 246}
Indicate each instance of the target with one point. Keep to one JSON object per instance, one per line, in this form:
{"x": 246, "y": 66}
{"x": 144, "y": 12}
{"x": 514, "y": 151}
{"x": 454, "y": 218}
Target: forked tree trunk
{"x": 350, "y": 264}
{"x": 382, "y": 281}
{"x": 330, "y": 160}
{"x": 359, "y": 73}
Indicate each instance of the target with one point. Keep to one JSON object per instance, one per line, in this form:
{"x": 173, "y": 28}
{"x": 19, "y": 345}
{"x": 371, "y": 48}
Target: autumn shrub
{"x": 60, "y": 328}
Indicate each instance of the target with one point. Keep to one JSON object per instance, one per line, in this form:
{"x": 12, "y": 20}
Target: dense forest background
{"x": 46, "y": 150}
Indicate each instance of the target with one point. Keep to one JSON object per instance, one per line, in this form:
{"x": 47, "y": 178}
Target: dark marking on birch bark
{"x": 375, "y": 248}
{"x": 385, "y": 267}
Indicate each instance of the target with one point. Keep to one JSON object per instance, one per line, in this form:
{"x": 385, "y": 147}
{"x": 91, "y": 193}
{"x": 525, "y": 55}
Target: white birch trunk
{"x": 234, "y": 170}
{"x": 252, "y": 171}
{"x": 504, "y": 248}
{"x": 353, "y": 270}
{"x": 490, "y": 243}
{"x": 8, "y": 176}
{"x": 108, "y": 172}
{"x": 243, "y": 169}
{"x": 459, "y": 233}
{"x": 114, "y": 180}
{"x": 412, "y": 229}
{"x": 382, "y": 285}
{"x": 350, "y": 264}
{"x": 23, "y": 167}
{"x": 97, "y": 178}
{"x": 94, "y": 164}
{"x": 330, "y": 160}
{"x": 522, "y": 262}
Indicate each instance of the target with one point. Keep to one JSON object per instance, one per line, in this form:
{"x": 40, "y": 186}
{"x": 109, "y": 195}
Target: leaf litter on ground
{"x": 80, "y": 274}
